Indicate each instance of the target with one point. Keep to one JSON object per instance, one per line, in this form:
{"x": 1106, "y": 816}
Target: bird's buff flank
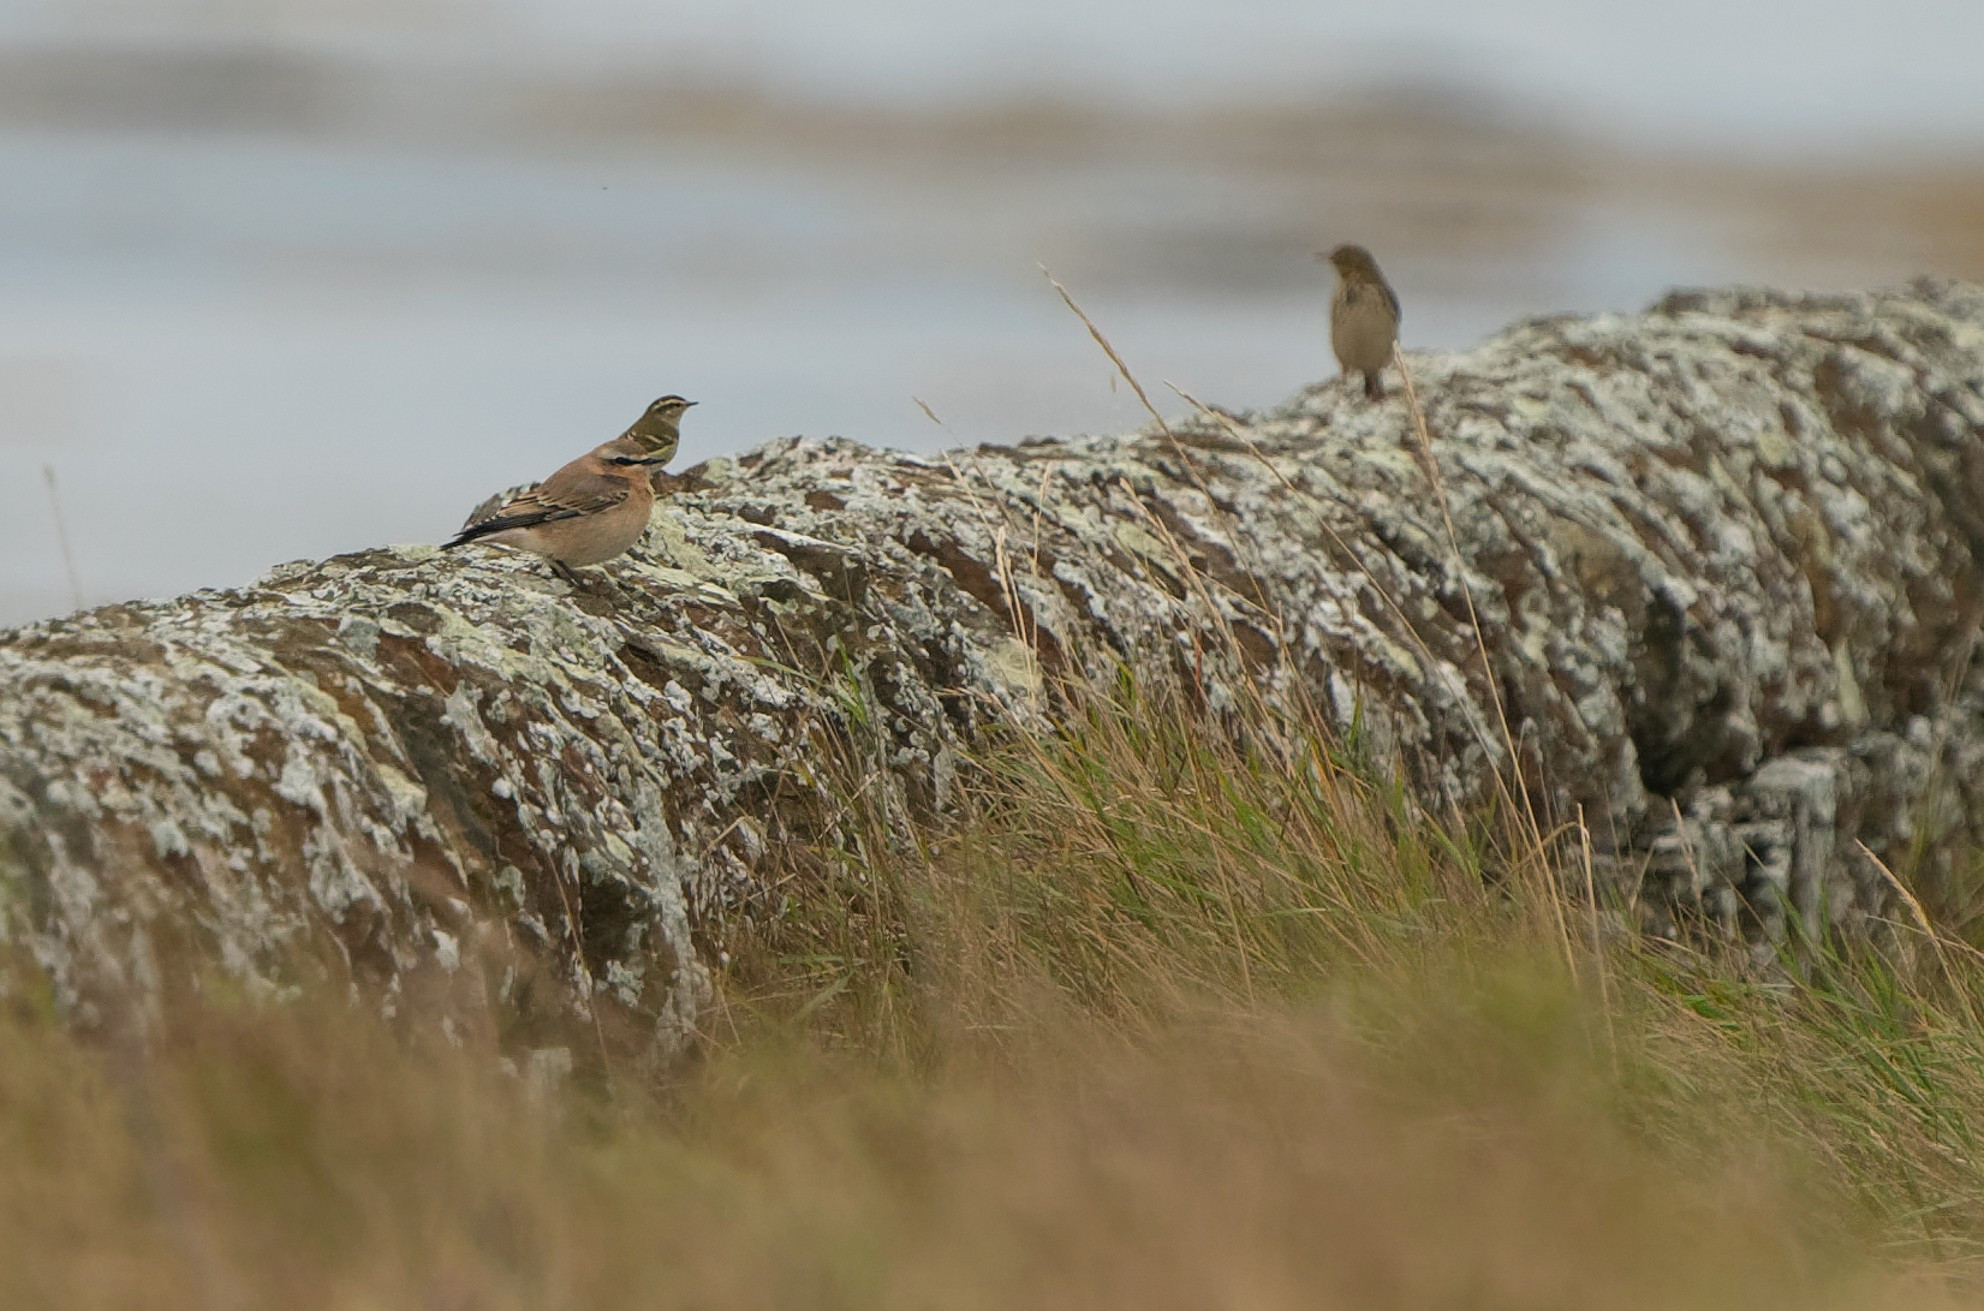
{"x": 588, "y": 512}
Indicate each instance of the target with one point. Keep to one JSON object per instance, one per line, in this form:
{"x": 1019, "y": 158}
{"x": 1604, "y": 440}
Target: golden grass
{"x": 1171, "y": 1022}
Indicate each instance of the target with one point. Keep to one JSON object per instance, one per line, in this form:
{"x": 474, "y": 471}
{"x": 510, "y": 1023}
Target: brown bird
{"x": 658, "y": 431}
{"x": 589, "y": 511}
{"x": 1363, "y": 317}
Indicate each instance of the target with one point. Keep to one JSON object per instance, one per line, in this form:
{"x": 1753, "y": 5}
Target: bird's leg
{"x": 565, "y": 572}
{"x": 1374, "y": 387}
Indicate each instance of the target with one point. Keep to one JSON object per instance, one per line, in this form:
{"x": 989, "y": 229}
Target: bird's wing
{"x": 493, "y": 506}
{"x": 573, "y": 491}
{"x": 664, "y": 446}
{"x": 1356, "y": 292}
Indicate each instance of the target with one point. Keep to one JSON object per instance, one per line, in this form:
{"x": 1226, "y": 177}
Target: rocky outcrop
{"x": 1713, "y": 581}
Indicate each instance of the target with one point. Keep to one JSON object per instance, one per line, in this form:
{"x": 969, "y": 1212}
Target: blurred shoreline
{"x": 1479, "y": 164}
{"x": 394, "y": 286}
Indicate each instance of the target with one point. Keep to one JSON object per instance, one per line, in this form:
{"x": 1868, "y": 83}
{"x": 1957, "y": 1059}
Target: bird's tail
{"x": 473, "y": 531}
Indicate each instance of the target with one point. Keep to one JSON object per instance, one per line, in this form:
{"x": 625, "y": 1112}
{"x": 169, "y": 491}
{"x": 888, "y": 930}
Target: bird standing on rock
{"x": 1363, "y": 317}
{"x": 588, "y": 512}
{"x": 658, "y": 432}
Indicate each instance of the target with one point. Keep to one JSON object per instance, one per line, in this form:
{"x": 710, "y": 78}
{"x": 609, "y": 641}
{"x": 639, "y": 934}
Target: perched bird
{"x": 658, "y": 431}
{"x": 591, "y": 510}
{"x": 1363, "y": 317}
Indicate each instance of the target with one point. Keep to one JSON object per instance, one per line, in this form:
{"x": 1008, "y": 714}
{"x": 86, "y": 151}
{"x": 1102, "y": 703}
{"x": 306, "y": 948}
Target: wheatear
{"x": 658, "y": 431}
{"x": 589, "y": 511}
{"x": 1363, "y": 317}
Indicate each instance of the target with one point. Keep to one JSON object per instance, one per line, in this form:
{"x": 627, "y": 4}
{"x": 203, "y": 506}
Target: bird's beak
{"x": 687, "y": 404}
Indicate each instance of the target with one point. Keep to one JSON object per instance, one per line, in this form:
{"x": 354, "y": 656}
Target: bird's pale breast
{"x": 1362, "y": 327}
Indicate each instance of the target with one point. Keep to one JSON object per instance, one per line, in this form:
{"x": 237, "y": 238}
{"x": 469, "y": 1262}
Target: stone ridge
{"x": 1724, "y": 557}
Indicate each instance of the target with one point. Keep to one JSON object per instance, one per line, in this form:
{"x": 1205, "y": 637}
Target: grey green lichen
{"x": 1723, "y": 557}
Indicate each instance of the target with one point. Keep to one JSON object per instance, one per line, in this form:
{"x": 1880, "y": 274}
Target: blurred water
{"x": 236, "y": 352}
{"x": 240, "y": 341}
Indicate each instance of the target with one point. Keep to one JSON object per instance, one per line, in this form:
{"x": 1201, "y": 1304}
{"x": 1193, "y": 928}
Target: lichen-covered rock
{"x": 1717, "y": 585}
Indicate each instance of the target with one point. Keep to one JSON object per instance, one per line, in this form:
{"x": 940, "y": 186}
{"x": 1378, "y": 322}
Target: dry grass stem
{"x": 62, "y": 536}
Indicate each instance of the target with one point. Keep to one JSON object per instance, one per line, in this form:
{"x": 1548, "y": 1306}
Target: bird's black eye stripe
{"x": 624, "y": 460}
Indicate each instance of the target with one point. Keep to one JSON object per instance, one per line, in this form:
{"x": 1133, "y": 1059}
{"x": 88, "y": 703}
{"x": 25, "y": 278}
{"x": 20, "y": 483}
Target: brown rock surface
{"x": 1724, "y": 557}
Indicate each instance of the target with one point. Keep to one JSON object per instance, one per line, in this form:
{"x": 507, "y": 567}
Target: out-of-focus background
{"x": 282, "y": 278}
